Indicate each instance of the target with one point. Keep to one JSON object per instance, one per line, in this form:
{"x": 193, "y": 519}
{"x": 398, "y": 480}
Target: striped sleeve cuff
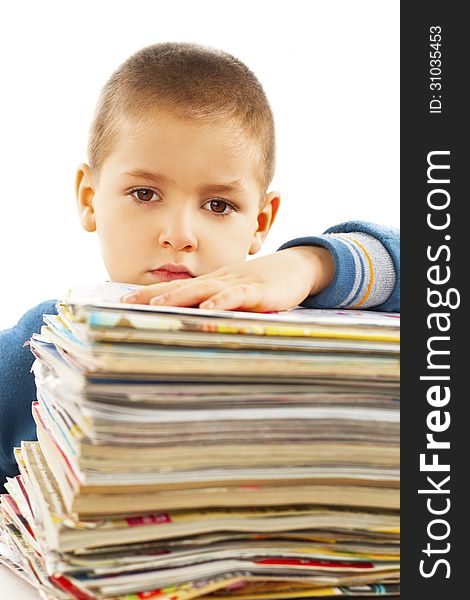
{"x": 364, "y": 276}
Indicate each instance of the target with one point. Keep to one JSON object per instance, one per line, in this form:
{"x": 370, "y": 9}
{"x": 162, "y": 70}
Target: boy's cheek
{"x": 130, "y": 246}
{"x": 123, "y": 259}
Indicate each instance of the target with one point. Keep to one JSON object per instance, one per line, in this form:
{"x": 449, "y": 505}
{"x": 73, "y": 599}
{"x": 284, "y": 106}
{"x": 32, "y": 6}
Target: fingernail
{"x": 159, "y": 299}
{"x": 207, "y": 304}
{"x": 129, "y": 298}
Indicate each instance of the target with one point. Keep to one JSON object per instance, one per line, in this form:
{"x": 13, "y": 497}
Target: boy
{"x": 181, "y": 154}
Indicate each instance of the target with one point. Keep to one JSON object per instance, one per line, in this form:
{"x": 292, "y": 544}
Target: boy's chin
{"x": 142, "y": 280}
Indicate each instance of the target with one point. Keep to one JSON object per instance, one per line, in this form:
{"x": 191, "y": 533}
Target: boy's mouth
{"x": 170, "y": 272}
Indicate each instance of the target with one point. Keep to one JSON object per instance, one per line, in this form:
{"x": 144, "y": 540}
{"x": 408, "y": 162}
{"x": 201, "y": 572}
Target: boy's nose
{"x": 179, "y": 235}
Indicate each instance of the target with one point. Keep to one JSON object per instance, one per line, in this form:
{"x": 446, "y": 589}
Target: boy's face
{"x": 176, "y": 194}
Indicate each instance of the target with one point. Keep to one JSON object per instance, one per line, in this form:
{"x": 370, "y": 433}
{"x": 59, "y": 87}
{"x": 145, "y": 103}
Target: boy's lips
{"x": 170, "y": 272}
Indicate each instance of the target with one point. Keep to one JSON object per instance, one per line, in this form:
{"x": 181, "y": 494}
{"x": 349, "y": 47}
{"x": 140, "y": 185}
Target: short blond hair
{"x": 192, "y": 80}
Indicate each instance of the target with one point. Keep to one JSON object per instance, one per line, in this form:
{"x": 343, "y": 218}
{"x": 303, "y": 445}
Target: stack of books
{"x": 184, "y": 453}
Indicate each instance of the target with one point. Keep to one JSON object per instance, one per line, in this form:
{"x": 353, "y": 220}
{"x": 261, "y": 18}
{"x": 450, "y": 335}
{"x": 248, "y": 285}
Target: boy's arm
{"x": 353, "y": 265}
{"x": 17, "y": 388}
{"x": 367, "y": 267}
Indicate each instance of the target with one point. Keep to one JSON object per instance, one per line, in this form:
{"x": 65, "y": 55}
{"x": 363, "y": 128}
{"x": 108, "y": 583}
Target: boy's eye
{"x": 219, "y": 206}
{"x": 143, "y": 194}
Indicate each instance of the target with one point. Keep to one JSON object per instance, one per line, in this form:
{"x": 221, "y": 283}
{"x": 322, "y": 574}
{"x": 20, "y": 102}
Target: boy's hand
{"x": 271, "y": 283}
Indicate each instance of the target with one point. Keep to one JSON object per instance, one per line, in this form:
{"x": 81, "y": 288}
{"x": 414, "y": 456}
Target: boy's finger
{"x": 145, "y": 294}
{"x": 244, "y": 296}
{"x": 188, "y": 295}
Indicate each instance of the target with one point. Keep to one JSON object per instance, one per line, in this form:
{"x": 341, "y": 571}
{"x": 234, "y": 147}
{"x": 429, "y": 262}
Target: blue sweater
{"x": 367, "y": 275}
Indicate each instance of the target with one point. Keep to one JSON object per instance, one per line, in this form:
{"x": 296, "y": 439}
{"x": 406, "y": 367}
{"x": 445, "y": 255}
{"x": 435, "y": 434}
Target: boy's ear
{"x": 85, "y": 193}
{"x": 265, "y": 220}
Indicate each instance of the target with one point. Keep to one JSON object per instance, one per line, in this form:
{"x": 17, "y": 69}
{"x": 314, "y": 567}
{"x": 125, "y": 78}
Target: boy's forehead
{"x": 162, "y": 144}
{"x": 158, "y": 126}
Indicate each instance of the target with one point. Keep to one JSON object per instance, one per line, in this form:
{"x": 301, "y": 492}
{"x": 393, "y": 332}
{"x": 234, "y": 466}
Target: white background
{"x": 330, "y": 71}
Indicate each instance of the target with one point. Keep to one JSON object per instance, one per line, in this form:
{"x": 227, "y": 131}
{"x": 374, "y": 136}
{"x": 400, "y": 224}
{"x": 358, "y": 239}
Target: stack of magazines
{"x": 185, "y": 453}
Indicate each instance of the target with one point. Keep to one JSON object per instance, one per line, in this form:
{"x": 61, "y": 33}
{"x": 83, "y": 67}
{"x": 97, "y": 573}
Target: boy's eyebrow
{"x": 231, "y": 186}
{"x": 155, "y": 177}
